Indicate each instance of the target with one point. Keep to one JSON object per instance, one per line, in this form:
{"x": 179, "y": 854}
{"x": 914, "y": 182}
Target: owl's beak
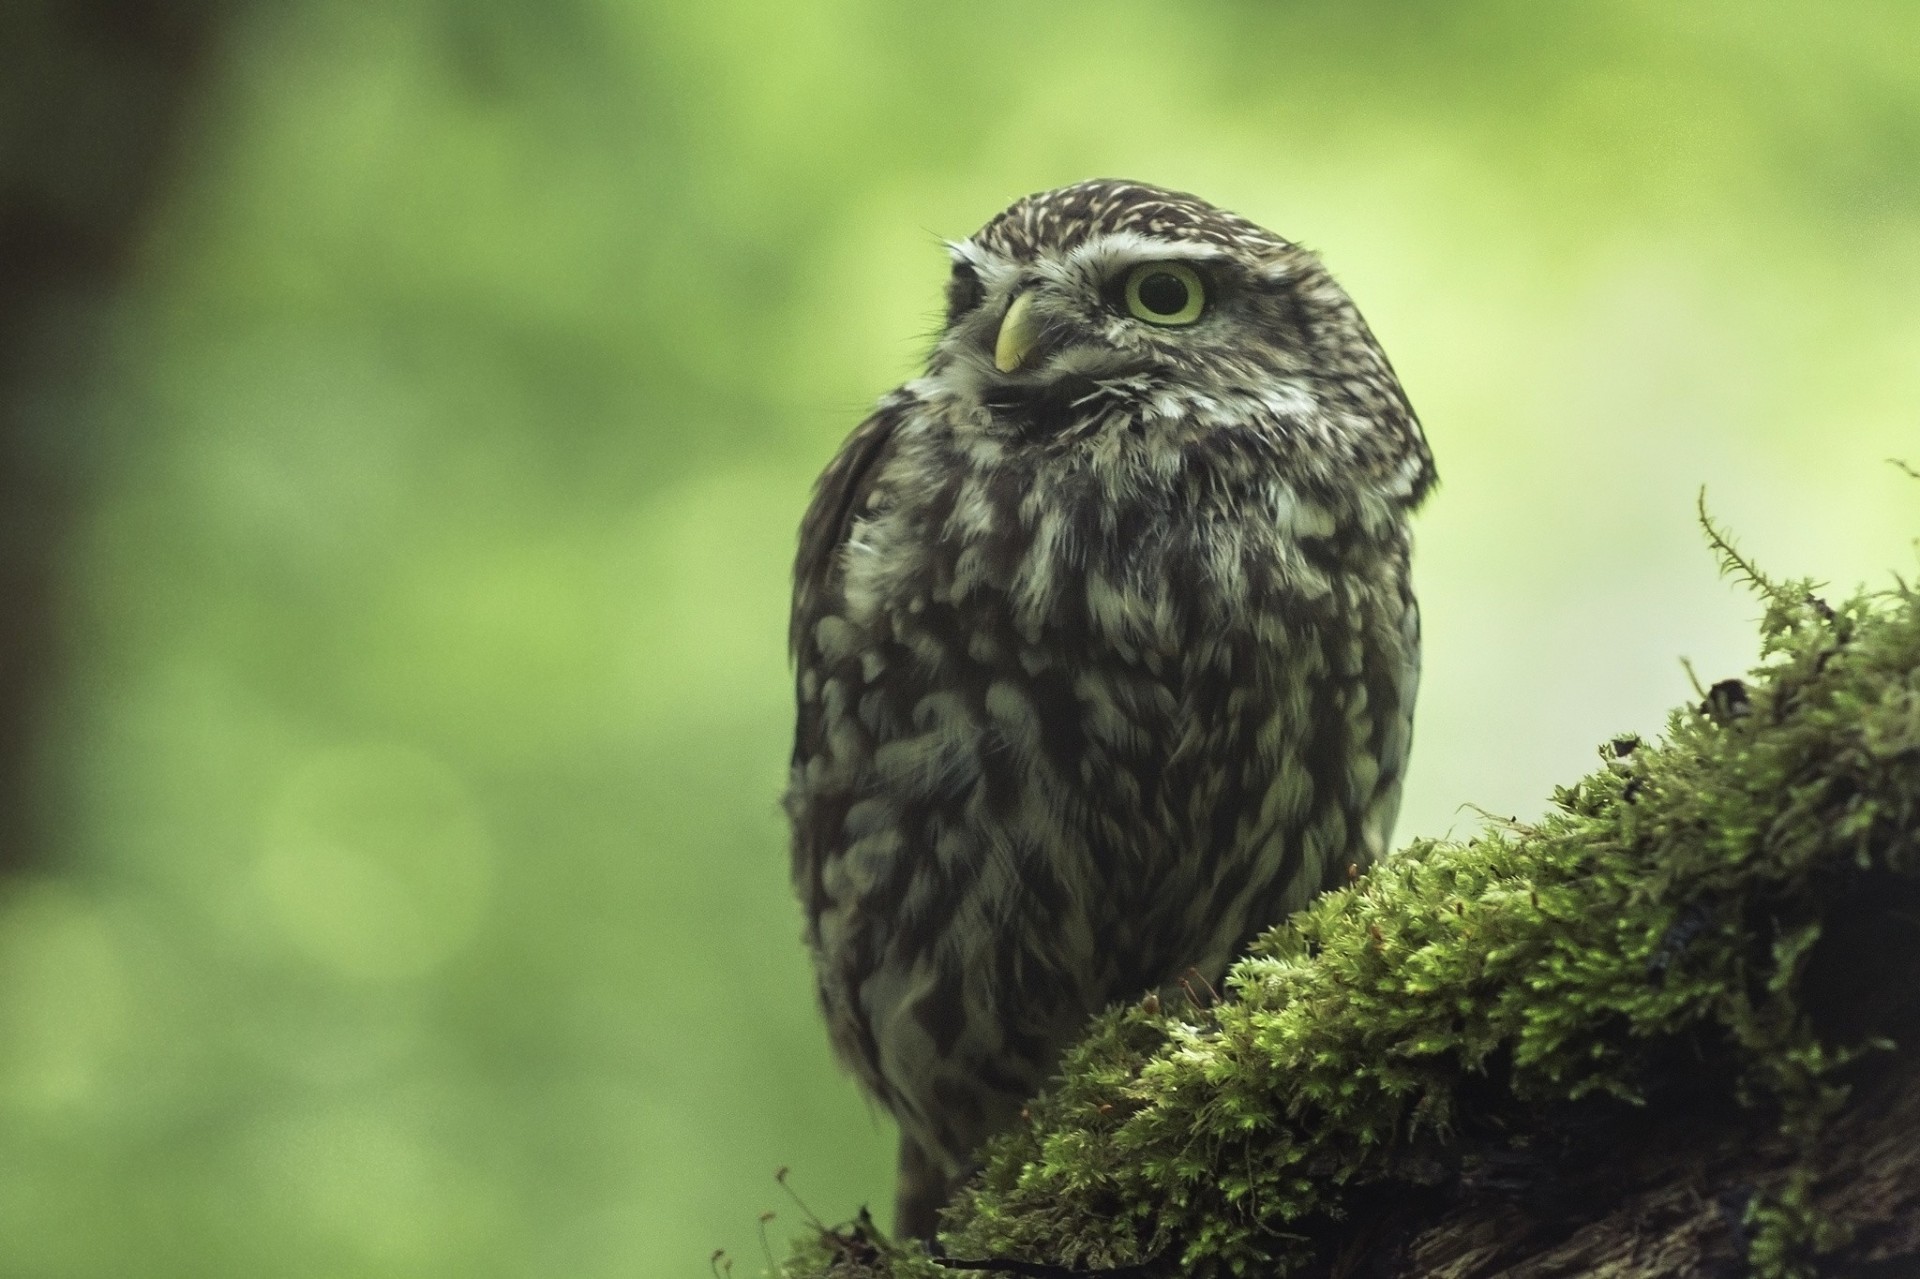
{"x": 1018, "y": 332}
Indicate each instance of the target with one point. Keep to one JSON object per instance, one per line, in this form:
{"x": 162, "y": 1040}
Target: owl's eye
{"x": 964, "y": 291}
{"x": 1169, "y": 293}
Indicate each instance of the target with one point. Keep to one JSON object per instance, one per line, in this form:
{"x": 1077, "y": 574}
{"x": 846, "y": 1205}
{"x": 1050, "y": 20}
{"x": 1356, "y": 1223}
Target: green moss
{"x": 859, "y": 1251}
{"x": 1673, "y": 897}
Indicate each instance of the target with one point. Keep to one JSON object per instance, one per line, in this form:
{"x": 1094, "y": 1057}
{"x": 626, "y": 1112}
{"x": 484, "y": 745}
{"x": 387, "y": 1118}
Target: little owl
{"x": 1106, "y": 648}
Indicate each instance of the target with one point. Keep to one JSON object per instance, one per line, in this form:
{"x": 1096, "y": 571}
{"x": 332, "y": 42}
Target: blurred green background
{"x": 398, "y": 884}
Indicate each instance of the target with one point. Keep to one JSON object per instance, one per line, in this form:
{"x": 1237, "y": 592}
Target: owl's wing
{"x": 839, "y": 493}
{"x": 817, "y": 799}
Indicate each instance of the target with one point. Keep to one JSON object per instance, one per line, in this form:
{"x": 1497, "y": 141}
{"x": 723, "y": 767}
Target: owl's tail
{"x": 921, "y": 1192}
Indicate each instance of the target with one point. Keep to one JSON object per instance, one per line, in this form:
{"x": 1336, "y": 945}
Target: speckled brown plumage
{"x": 1105, "y": 662}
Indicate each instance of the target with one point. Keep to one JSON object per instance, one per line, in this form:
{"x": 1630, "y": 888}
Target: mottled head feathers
{"x": 1279, "y": 357}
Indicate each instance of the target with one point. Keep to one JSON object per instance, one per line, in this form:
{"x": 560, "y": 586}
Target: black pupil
{"x": 1163, "y": 294}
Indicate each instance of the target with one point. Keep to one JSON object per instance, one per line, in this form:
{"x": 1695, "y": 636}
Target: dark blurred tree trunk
{"x": 94, "y": 99}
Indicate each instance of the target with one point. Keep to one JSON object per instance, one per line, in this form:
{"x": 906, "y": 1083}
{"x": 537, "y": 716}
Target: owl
{"x": 1105, "y": 648}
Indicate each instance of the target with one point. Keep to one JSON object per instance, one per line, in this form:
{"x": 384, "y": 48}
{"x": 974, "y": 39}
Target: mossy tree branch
{"x": 1668, "y": 1030}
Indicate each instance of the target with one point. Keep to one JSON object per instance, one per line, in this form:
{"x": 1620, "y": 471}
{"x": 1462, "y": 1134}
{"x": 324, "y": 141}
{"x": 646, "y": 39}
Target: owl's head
{"x": 1116, "y": 306}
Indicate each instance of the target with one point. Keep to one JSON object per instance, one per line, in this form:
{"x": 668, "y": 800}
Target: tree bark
{"x": 93, "y": 102}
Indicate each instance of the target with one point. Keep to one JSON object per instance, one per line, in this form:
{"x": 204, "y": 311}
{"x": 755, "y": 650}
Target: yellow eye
{"x": 1165, "y": 293}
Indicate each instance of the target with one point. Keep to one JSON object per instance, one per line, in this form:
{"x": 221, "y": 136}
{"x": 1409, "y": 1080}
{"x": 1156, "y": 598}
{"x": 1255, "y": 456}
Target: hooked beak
{"x": 1018, "y": 332}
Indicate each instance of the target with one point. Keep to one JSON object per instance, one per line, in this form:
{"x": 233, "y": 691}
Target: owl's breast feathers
{"x": 1133, "y": 706}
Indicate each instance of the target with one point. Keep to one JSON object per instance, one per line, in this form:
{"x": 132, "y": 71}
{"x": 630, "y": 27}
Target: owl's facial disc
{"x": 1167, "y": 295}
{"x": 1095, "y": 328}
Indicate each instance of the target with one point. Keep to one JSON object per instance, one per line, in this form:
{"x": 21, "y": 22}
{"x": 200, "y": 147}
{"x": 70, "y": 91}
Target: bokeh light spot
{"x": 376, "y": 861}
{"x": 62, "y": 999}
